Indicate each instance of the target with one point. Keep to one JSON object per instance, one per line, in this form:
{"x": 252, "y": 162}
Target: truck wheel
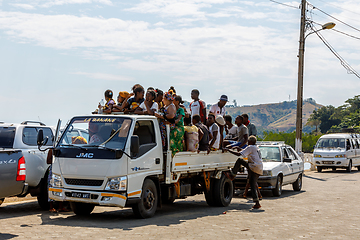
{"x": 319, "y": 169}
{"x": 43, "y": 196}
{"x": 278, "y": 188}
{"x": 149, "y": 200}
{"x": 1, "y": 200}
{"x": 209, "y": 196}
{"x": 82, "y": 209}
{"x": 348, "y": 169}
{"x": 223, "y": 191}
{"x": 298, "y": 183}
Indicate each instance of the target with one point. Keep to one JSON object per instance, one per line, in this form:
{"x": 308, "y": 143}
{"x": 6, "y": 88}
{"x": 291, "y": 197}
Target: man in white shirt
{"x": 214, "y": 143}
{"x": 230, "y": 129}
{"x": 219, "y": 109}
{"x": 197, "y": 106}
{"x": 254, "y": 166}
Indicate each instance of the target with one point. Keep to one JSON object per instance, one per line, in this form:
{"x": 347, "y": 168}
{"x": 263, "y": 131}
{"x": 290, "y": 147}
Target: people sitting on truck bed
{"x": 193, "y": 135}
{"x": 159, "y": 98}
{"x": 148, "y": 106}
{"x": 240, "y": 141}
{"x": 109, "y": 102}
{"x": 135, "y": 101}
{"x": 121, "y": 99}
{"x": 177, "y": 129}
{"x": 167, "y": 115}
{"x": 205, "y": 138}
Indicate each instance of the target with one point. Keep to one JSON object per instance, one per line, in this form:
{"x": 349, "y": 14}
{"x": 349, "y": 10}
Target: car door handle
{"x": 157, "y": 160}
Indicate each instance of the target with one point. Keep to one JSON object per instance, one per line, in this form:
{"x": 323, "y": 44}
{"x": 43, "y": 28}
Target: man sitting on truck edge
{"x": 254, "y": 167}
{"x": 242, "y": 137}
{"x": 203, "y": 139}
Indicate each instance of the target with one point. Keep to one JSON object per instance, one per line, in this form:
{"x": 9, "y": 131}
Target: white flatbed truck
{"x": 128, "y": 167}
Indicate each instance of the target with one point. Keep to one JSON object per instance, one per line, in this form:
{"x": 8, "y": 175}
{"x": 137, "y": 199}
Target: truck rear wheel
{"x": 82, "y": 209}
{"x": 223, "y": 191}
{"x": 349, "y": 167}
{"x": 146, "y": 208}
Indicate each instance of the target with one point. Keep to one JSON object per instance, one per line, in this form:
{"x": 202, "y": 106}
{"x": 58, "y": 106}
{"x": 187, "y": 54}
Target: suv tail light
{"x": 21, "y": 170}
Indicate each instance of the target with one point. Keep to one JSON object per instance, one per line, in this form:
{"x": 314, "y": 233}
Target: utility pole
{"x": 298, "y": 140}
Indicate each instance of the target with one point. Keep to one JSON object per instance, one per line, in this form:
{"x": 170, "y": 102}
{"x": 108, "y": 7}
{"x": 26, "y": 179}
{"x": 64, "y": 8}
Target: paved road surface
{"x": 327, "y": 208}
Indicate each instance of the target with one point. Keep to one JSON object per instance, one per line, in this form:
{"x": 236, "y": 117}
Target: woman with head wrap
{"x": 122, "y": 99}
{"x": 177, "y": 129}
{"x": 167, "y": 116}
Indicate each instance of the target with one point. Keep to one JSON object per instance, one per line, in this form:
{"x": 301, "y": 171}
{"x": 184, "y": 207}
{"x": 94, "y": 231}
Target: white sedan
{"x": 281, "y": 165}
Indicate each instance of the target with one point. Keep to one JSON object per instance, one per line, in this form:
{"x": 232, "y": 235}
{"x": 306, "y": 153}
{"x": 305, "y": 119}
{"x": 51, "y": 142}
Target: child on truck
{"x": 121, "y": 99}
{"x": 148, "y": 106}
{"x": 109, "y": 102}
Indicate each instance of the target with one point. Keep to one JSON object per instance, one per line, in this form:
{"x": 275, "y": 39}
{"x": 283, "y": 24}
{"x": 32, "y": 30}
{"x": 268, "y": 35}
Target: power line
{"x": 334, "y": 17}
{"x": 347, "y": 66}
{"x": 345, "y": 34}
{"x": 284, "y": 4}
{"x": 339, "y": 7}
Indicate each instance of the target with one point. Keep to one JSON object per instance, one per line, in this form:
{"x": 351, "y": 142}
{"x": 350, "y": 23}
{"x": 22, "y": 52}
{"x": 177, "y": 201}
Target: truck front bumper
{"x": 93, "y": 197}
{"x": 264, "y": 182}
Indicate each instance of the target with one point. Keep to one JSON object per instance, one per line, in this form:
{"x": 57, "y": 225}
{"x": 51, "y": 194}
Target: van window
{"x": 331, "y": 143}
{"x": 291, "y": 154}
{"x": 285, "y": 153}
{"x": 355, "y": 143}
{"x": 7, "y": 135}
{"x": 348, "y": 144}
{"x": 30, "y": 135}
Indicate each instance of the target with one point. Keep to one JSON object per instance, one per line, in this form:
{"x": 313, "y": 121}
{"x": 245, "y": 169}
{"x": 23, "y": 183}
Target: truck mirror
{"x": 40, "y": 137}
{"x": 288, "y": 160}
{"x": 135, "y": 145}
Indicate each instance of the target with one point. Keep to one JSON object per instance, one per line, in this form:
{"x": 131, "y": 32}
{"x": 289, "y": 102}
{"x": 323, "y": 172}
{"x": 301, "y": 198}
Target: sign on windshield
{"x": 110, "y": 132}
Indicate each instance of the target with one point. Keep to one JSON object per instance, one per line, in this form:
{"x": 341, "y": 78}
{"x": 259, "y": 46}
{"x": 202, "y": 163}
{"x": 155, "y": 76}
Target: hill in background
{"x": 276, "y": 116}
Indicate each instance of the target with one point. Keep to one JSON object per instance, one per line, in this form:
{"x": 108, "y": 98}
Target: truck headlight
{"x": 340, "y": 156}
{"x": 317, "y": 155}
{"x": 56, "y": 181}
{"x": 267, "y": 173}
{"x": 116, "y": 184}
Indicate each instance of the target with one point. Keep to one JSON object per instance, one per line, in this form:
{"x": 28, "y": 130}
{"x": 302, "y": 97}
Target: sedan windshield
{"x": 270, "y": 154}
{"x": 331, "y": 143}
{"x": 107, "y": 132}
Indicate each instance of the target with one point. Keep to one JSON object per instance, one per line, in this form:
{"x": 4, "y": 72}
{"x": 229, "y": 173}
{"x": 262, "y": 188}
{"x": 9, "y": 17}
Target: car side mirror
{"x": 287, "y": 160}
{"x": 135, "y": 145}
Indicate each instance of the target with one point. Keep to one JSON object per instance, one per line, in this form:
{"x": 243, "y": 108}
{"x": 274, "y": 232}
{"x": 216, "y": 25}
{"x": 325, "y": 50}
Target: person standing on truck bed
{"x": 214, "y": 143}
{"x": 254, "y": 167}
{"x": 135, "y": 101}
{"x": 177, "y": 129}
{"x": 204, "y": 139}
{"x": 219, "y": 109}
{"x": 167, "y": 115}
{"x": 197, "y": 106}
{"x": 250, "y": 126}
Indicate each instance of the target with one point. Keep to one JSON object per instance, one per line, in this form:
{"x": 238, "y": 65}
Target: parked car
{"x": 337, "y": 150}
{"x": 18, "y": 142}
{"x": 281, "y": 166}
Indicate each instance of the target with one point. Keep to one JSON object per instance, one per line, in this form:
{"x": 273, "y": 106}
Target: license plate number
{"x": 80, "y": 195}
{"x": 327, "y": 162}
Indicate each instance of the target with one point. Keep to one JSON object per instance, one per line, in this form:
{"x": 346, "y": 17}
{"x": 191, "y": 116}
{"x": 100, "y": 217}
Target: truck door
{"x": 350, "y": 151}
{"x": 149, "y": 159}
{"x": 356, "y": 159}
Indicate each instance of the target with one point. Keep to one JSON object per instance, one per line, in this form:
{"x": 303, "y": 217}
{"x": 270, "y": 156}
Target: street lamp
{"x": 298, "y": 140}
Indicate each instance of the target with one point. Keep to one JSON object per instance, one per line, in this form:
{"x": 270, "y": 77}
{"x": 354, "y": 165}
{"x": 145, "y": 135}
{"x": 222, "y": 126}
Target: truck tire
{"x": 43, "y": 197}
{"x": 1, "y": 200}
{"x": 278, "y": 188}
{"x": 223, "y": 191}
{"x": 146, "y": 208}
{"x": 349, "y": 167}
{"x": 319, "y": 169}
{"x": 82, "y": 209}
{"x": 298, "y": 183}
{"x": 209, "y": 195}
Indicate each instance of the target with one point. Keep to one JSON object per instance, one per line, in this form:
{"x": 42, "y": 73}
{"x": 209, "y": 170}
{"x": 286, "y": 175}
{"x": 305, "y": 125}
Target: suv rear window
{"x": 7, "y": 135}
{"x": 30, "y": 135}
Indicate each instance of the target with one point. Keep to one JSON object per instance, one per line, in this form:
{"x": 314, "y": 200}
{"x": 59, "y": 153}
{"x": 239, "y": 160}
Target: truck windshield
{"x": 7, "y": 135}
{"x": 331, "y": 143}
{"x": 108, "y": 132}
{"x": 270, "y": 154}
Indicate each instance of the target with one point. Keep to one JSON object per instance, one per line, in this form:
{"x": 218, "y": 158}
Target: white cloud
{"x": 104, "y": 76}
{"x": 23, "y": 6}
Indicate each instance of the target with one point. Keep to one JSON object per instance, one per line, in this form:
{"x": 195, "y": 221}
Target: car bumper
{"x": 331, "y": 162}
{"x": 264, "y": 182}
{"x": 97, "y": 198}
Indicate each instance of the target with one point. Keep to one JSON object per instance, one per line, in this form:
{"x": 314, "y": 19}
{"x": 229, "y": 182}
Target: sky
{"x": 57, "y": 57}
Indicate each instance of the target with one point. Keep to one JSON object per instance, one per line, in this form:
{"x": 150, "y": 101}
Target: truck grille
{"x": 83, "y": 182}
